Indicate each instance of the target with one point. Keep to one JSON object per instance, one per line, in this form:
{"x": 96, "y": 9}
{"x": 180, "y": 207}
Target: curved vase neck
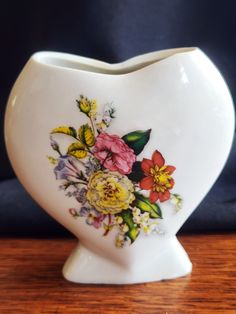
{"x": 79, "y": 63}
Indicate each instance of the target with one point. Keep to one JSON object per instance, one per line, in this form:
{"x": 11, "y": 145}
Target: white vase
{"x": 90, "y": 142}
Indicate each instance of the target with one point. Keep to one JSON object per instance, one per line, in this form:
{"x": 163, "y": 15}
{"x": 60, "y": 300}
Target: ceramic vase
{"x": 120, "y": 154}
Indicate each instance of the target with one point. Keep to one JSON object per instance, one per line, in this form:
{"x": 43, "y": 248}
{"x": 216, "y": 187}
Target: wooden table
{"x": 31, "y": 281}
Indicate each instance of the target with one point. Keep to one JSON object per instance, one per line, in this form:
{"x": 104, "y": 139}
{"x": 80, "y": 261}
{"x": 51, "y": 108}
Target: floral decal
{"x": 157, "y": 177}
{"x": 101, "y": 172}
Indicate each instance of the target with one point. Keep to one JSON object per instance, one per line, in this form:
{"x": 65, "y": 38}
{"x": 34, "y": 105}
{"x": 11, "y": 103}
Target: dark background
{"x": 112, "y": 31}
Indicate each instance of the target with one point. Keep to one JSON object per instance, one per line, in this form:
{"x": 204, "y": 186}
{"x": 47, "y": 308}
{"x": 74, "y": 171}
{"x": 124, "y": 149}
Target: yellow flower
{"x": 87, "y": 106}
{"x": 120, "y": 240}
{"x": 110, "y": 192}
{"x": 101, "y": 125}
{"x": 52, "y": 160}
{"x": 118, "y": 220}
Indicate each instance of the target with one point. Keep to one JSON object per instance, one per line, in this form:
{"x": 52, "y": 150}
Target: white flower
{"x": 177, "y": 200}
{"x": 136, "y": 211}
{"x": 145, "y": 217}
{"x": 107, "y": 117}
{"x": 118, "y": 220}
{"x": 139, "y": 218}
{"x": 124, "y": 228}
{"x": 149, "y": 228}
{"x": 120, "y": 240}
{"x": 136, "y": 215}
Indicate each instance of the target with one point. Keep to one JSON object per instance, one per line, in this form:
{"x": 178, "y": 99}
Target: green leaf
{"x": 86, "y": 135}
{"x": 77, "y": 150}
{"x": 68, "y": 130}
{"x": 137, "y": 140}
{"x": 128, "y": 219}
{"x": 145, "y": 205}
{"x": 137, "y": 174}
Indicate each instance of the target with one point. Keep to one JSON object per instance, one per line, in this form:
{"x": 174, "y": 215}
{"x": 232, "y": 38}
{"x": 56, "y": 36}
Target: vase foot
{"x": 84, "y": 266}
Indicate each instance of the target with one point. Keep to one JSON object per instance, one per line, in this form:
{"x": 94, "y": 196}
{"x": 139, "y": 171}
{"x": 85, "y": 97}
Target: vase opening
{"x": 74, "y": 62}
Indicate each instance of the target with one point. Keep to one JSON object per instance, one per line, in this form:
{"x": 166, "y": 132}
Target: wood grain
{"x": 31, "y": 281}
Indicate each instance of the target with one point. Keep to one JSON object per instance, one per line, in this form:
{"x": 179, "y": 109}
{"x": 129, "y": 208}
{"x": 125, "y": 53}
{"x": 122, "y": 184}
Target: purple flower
{"x": 84, "y": 211}
{"x": 54, "y": 144}
{"x": 80, "y": 195}
{"x": 93, "y": 217}
{"x": 91, "y": 166}
{"x": 66, "y": 168}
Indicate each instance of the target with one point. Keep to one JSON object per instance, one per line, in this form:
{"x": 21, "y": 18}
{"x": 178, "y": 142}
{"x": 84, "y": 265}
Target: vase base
{"x": 83, "y": 266}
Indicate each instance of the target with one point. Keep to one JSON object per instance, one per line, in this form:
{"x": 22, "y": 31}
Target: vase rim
{"x": 73, "y": 62}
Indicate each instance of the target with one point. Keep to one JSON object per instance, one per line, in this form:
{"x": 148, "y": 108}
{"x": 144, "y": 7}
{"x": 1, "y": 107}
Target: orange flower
{"x": 157, "y": 177}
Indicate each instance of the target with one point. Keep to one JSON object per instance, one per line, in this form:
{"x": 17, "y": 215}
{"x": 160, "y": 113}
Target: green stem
{"x": 82, "y": 182}
{"x": 93, "y": 128}
{"x": 78, "y": 182}
{"x": 89, "y": 150}
{"x": 109, "y": 224}
{"x": 59, "y": 152}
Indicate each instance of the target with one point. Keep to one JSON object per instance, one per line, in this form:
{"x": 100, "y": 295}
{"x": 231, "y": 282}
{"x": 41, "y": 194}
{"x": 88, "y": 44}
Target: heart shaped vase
{"x": 120, "y": 154}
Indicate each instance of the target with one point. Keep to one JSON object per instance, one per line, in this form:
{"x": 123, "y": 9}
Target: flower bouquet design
{"x": 101, "y": 172}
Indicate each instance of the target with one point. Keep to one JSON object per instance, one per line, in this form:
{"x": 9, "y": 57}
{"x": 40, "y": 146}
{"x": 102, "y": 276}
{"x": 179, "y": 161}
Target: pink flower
{"x": 73, "y": 212}
{"x": 114, "y": 153}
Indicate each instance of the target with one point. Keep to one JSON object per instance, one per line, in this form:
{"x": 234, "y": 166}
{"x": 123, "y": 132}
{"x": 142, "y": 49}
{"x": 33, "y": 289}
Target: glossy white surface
{"x": 170, "y": 262}
{"x": 178, "y": 93}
